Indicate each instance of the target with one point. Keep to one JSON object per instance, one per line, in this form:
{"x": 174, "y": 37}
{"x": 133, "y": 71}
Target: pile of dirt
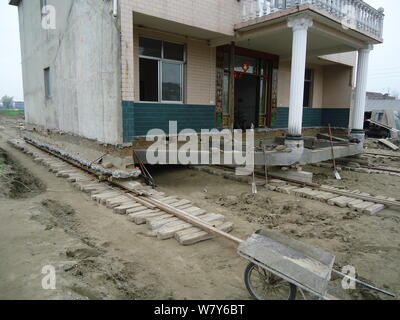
{"x": 15, "y": 181}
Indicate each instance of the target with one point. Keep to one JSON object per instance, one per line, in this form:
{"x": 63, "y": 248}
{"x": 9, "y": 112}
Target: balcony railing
{"x": 354, "y": 14}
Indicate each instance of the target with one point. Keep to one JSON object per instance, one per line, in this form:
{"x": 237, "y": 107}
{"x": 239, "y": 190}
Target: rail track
{"x": 166, "y": 216}
{"x": 353, "y": 199}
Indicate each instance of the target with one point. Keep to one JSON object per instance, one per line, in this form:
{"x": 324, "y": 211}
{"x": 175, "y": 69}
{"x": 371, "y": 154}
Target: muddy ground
{"x": 99, "y": 255}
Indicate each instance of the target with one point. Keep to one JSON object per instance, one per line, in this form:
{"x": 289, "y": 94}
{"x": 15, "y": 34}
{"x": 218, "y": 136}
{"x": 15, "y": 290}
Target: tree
{"x": 7, "y": 102}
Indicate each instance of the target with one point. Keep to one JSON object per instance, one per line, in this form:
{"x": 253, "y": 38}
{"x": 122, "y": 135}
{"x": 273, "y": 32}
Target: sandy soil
{"x": 100, "y": 255}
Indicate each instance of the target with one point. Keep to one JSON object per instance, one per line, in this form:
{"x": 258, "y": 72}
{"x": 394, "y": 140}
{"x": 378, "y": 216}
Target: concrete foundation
{"x": 293, "y": 174}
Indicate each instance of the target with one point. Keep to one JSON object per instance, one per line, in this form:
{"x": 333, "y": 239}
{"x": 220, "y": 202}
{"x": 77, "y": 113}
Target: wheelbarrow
{"x": 280, "y": 267}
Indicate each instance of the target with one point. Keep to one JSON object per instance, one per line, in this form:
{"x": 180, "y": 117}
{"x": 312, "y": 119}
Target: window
{"x": 47, "y": 83}
{"x": 43, "y": 3}
{"x": 308, "y": 85}
{"x": 161, "y": 70}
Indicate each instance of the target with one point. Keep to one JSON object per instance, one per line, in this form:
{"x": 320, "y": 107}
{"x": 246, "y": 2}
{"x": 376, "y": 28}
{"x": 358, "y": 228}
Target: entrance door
{"x": 246, "y": 101}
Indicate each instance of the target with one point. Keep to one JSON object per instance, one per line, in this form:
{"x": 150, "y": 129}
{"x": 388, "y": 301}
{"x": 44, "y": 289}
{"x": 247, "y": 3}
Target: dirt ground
{"x": 100, "y": 255}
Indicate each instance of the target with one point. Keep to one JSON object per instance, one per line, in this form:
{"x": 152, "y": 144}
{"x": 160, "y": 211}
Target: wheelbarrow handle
{"x": 365, "y": 284}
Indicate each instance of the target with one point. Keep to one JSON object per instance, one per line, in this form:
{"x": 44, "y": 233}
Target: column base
{"x": 357, "y": 134}
{"x": 294, "y": 138}
{"x": 294, "y": 143}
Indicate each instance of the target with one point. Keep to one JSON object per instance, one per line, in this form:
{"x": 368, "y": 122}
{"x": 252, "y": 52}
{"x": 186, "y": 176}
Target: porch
{"x": 298, "y": 34}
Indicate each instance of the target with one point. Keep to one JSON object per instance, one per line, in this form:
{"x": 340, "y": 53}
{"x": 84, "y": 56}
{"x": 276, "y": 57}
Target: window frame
{"x": 47, "y": 83}
{"x": 160, "y": 64}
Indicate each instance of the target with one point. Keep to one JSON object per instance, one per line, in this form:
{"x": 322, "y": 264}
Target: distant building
{"x": 20, "y": 105}
{"x": 385, "y": 110}
{"x": 379, "y": 96}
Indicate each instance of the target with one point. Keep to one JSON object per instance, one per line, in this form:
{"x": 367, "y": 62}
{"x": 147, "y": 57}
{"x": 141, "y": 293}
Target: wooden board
{"x": 387, "y": 143}
{"x": 195, "y": 235}
{"x": 129, "y": 205}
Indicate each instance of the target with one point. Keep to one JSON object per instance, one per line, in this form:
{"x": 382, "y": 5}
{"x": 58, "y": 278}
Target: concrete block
{"x": 126, "y": 206}
{"x": 351, "y": 204}
{"x": 325, "y": 196}
{"x": 360, "y": 207}
{"x": 286, "y": 189}
{"x": 374, "y": 209}
{"x": 340, "y": 201}
{"x": 300, "y": 176}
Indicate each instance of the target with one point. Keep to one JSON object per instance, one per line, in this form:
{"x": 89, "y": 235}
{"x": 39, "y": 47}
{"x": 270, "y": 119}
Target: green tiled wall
{"x": 315, "y": 117}
{"x": 139, "y": 118}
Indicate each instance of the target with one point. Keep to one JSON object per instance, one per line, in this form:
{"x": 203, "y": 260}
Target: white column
{"x": 300, "y": 27}
{"x": 357, "y": 121}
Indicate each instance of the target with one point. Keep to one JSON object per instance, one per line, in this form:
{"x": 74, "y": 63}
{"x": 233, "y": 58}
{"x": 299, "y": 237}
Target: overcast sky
{"x": 384, "y": 72}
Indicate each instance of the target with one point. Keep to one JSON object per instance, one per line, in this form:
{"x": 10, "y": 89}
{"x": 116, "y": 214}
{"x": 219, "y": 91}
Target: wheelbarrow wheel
{"x": 264, "y": 285}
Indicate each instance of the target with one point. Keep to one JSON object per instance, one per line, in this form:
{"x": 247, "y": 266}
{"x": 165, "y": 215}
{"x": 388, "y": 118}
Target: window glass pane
{"x": 227, "y": 61}
{"x": 171, "y": 82}
{"x": 148, "y": 74}
{"x": 307, "y": 94}
{"x": 173, "y": 51}
{"x": 308, "y": 76}
{"x": 225, "y": 97}
{"x": 245, "y": 64}
{"x": 47, "y": 82}
{"x": 150, "y": 47}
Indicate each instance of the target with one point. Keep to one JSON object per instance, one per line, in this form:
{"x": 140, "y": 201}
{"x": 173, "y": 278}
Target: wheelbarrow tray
{"x": 301, "y": 264}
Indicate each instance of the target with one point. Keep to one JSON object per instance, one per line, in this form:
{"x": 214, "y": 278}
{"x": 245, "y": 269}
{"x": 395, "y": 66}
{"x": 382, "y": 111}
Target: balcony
{"x": 352, "y": 14}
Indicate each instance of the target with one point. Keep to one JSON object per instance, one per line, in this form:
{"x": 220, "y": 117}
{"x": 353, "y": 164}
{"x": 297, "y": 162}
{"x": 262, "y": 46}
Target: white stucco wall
{"x": 83, "y": 54}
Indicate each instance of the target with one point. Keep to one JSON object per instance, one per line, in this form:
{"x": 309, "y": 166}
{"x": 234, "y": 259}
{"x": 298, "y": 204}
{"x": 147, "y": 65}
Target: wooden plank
{"x": 77, "y": 178}
{"x": 198, "y": 236}
{"x": 126, "y": 206}
{"x": 96, "y": 197}
{"x": 143, "y": 202}
{"x": 154, "y": 224}
{"x": 89, "y": 187}
{"x": 387, "y": 143}
{"x": 119, "y": 198}
{"x": 136, "y": 209}
{"x": 195, "y": 221}
{"x": 140, "y": 218}
{"x": 112, "y": 203}
{"x": 168, "y": 230}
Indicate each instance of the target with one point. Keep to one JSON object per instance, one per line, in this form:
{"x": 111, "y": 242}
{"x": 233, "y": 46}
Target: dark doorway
{"x": 246, "y": 101}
